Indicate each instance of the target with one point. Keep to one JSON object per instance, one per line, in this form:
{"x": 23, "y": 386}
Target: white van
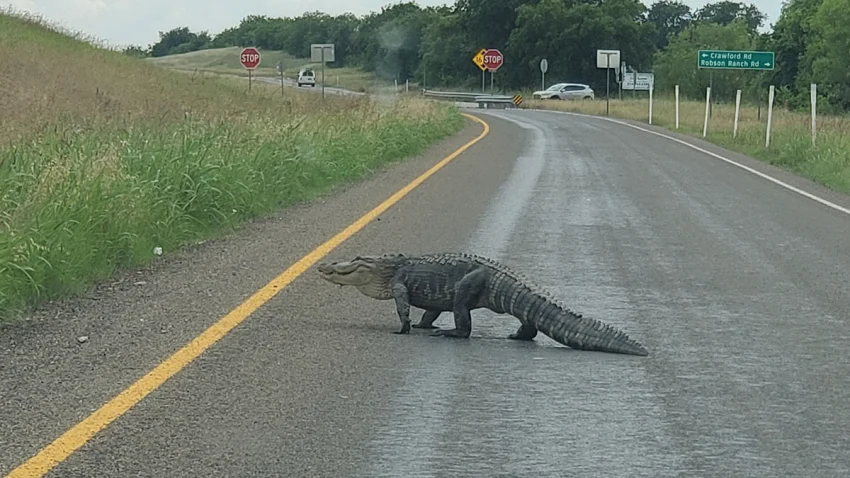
{"x": 306, "y": 77}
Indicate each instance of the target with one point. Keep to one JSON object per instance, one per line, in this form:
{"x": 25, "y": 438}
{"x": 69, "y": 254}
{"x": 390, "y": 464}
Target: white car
{"x": 565, "y": 91}
{"x": 307, "y": 77}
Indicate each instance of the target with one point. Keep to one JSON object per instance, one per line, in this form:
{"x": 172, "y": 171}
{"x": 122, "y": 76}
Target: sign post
{"x": 478, "y": 59}
{"x": 621, "y": 71}
{"x": 604, "y": 60}
{"x": 544, "y": 67}
{"x": 769, "y": 116}
{"x": 322, "y": 52}
{"x": 737, "y": 112}
{"x": 280, "y": 70}
{"x": 250, "y": 59}
{"x": 493, "y": 60}
{"x": 814, "y": 99}
{"x": 677, "y": 106}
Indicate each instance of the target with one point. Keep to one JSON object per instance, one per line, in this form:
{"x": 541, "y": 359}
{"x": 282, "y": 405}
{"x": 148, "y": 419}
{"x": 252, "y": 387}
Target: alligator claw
{"x": 405, "y": 329}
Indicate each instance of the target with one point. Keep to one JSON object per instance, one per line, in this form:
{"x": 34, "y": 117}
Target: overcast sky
{"x": 122, "y": 22}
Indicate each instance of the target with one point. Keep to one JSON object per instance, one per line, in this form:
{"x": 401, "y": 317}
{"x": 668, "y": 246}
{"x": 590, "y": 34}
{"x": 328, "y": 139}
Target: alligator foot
{"x": 524, "y": 333}
{"x": 454, "y": 333}
{"x": 427, "y": 320}
{"x": 520, "y": 337}
{"x": 405, "y": 329}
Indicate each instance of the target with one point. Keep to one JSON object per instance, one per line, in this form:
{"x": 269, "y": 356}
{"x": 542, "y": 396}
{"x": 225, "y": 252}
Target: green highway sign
{"x": 735, "y": 60}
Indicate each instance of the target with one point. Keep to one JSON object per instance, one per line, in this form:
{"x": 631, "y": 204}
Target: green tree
{"x": 179, "y": 39}
{"x": 829, "y": 53}
{"x": 389, "y": 42}
{"x": 725, "y": 12}
{"x": 670, "y": 17}
{"x": 489, "y": 23}
{"x": 435, "y": 44}
{"x": 790, "y": 38}
{"x": 447, "y": 54}
{"x": 568, "y": 33}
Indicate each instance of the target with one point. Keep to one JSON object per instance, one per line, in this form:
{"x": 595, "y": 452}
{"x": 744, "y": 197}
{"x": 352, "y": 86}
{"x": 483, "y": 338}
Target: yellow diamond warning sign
{"x": 478, "y": 59}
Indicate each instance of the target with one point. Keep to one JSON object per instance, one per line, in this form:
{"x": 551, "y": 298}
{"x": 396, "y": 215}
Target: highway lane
{"x": 735, "y": 285}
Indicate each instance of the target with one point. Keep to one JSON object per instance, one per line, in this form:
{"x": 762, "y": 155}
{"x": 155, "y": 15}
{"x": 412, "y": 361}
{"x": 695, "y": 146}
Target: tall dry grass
{"x": 107, "y": 157}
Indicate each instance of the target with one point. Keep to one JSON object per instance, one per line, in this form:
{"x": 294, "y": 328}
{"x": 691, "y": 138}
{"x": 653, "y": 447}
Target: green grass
{"x": 827, "y": 162}
{"x": 121, "y": 156}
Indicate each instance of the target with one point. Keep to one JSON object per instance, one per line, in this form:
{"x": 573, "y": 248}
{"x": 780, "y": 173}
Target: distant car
{"x": 307, "y": 77}
{"x": 565, "y": 91}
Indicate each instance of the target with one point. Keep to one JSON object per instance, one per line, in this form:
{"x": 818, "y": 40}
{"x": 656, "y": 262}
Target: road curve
{"x": 734, "y": 284}
{"x": 329, "y": 90}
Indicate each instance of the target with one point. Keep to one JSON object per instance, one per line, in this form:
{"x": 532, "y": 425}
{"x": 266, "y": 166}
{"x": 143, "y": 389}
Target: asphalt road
{"x": 329, "y": 90}
{"x": 735, "y": 285}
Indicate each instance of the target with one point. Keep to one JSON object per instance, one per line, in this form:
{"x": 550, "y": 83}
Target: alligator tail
{"x": 584, "y": 333}
{"x": 514, "y": 293}
{"x": 561, "y": 324}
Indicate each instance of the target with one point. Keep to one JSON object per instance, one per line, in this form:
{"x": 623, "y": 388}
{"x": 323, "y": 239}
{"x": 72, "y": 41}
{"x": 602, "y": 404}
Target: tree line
{"x": 435, "y": 45}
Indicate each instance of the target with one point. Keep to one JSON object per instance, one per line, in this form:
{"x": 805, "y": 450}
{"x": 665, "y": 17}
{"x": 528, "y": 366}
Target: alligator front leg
{"x": 402, "y": 305}
{"x": 428, "y": 319}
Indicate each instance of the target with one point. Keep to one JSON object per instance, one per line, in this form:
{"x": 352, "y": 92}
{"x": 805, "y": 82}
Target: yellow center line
{"x": 57, "y": 451}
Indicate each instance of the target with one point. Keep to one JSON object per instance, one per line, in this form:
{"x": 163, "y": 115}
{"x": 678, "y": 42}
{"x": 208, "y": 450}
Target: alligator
{"x": 460, "y": 282}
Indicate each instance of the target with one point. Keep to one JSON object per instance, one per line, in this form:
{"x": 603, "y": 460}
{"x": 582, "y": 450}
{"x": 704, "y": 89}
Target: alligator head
{"x": 371, "y": 275}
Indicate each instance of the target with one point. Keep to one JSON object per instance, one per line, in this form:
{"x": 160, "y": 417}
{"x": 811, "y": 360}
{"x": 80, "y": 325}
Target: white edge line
{"x": 715, "y": 155}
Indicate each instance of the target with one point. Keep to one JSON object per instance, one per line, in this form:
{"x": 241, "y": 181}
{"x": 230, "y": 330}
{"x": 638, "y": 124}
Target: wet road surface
{"x": 735, "y": 286}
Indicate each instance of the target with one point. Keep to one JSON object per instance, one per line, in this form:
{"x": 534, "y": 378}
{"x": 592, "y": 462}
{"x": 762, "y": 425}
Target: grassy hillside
{"x": 225, "y": 61}
{"x": 106, "y": 158}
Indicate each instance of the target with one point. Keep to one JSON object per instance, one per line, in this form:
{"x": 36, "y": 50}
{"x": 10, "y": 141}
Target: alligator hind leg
{"x": 468, "y": 290}
{"x": 428, "y": 319}
{"x": 524, "y": 332}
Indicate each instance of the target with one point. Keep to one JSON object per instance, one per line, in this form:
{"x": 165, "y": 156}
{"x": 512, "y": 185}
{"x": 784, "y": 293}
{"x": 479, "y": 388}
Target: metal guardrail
{"x": 483, "y": 100}
{"x": 450, "y": 95}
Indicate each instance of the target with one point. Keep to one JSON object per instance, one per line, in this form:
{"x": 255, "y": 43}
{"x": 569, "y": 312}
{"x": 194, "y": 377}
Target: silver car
{"x": 565, "y": 91}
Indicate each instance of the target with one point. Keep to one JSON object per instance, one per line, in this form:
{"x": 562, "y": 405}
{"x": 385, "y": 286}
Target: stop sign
{"x": 493, "y": 59}
{"x": 250, "y": 58}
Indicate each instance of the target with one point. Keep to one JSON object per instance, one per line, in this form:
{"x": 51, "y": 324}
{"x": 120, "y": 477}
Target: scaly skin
{"x": 460, "y": 283}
